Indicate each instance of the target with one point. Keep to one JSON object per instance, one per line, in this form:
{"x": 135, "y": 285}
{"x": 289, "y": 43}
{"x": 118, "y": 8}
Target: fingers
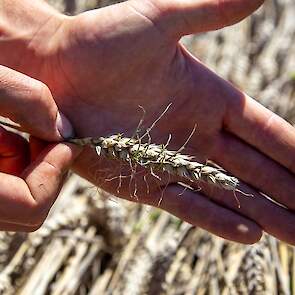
{"x": 26, "y": 201}
{"x": 184, "y": 17}
{"x": 264, "y": 154}
{"x": 212, "y": 209}
{"x": 256, "y": 169}
{"x": 198, "y": 210}
{"x": 272, "y": 218}
{"x": 45, "y": 176}
{"x": 30, "y": 103}
{"x": 14, "y": 153}
{"x": 263, "y": 129}
{"x": 192, "y": 207}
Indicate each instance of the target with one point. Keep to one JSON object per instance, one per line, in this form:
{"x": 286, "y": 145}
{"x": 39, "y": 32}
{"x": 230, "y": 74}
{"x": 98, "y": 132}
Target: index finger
{"x": 30, "y": 103}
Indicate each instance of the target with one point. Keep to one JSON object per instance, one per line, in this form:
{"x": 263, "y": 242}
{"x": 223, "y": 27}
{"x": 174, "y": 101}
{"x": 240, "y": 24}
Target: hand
{"x": 102, "y": 64}
{"x": 29, "y": 102}
{"x": 30, "y": 179}
{"x": 30, "y": 183}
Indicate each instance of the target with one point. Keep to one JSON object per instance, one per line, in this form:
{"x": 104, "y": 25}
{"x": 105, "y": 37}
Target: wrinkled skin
{"x": 101, "y": 65}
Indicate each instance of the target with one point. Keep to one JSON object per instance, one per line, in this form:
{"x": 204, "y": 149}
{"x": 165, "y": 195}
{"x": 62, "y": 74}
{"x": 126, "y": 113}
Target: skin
{"x": 31, "y": 174}
{"x": 100, "y": 65}
{"x": 31, "y": 177}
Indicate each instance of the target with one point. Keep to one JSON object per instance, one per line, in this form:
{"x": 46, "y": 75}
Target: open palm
{"x": 101, "y": 65}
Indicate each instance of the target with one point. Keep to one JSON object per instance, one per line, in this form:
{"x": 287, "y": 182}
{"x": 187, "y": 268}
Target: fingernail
{"x": 64, "y": 126}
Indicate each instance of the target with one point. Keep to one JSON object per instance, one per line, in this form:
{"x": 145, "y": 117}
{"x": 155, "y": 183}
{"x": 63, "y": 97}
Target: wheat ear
{"x": 154, "y": 156}
{"x": 157, "y": 157}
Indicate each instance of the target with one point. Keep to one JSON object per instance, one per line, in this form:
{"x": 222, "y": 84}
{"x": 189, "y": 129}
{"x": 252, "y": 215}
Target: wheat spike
{"x": 110, "y": 217}
{"x": 255, "y": 269}
{"x": 154, "y": 157}
{"x": 7, "y": 250}
{"x": 157, "y": 157}
{"x": 156, "y": 281}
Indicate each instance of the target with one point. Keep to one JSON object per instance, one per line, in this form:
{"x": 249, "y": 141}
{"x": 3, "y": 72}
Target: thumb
{"x": 184, "y": 17}
{"x": 45, "y": 177}
{"x": 27, "y": 200}
{"x": 29, "y": 103}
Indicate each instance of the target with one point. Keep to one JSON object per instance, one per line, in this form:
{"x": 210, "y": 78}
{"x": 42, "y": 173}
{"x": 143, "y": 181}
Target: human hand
{"x": 30, "y": 183}
{"x": 30, "y": 179}
{"x": 29, "y": 102}
{"x": 102, "y": 64}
